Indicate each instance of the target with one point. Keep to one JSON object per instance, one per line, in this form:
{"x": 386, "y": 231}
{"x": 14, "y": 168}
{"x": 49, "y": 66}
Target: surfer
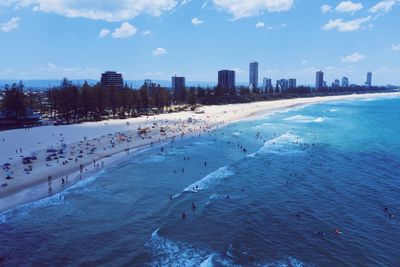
{"x": 183, "y": 215}
{"x": 170, "y": 197}
{"x": 193, "y": 206}
{"x": 338, "y": 232}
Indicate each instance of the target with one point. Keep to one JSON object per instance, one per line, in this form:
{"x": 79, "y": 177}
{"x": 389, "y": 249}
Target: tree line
{"x": 72, "y": 103}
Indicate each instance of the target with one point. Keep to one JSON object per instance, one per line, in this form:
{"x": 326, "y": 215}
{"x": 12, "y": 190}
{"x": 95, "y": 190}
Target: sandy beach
{"x": 57, "y": 157}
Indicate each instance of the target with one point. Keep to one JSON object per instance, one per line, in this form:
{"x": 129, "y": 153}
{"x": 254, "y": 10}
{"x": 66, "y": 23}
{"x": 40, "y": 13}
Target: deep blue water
{"x": 310, "y": 190}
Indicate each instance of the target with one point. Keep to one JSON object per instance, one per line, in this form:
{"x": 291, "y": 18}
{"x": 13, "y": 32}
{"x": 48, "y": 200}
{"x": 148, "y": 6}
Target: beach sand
{"x": 91, "y": 147}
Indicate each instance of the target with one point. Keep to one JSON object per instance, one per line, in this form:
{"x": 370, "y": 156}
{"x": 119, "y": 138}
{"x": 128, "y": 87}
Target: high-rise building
{"x": 369, "y": 79}
{"x": 319, "y": 80}
{"x": 226, "y": 81}
{"x": 112, "y": 79}
{"x": 345, "y": 82}
{"x": 282, "y": 85}
{"x": 267, "y": 85}
{"x": 336, "y": 84}
{"x": 253, "y": 75}
{"x": 178, "y": 88}
{"x": 292, "y": 83}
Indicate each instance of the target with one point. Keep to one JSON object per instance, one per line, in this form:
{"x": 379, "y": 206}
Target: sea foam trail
{"x": 49, "y": 201}
{"x": 211, "y": 179}
{"x": 173, "y": 253}
{"x": 283, "y": 144}
{"x": 166, "y": 252}
{"x": 304, "y": 119}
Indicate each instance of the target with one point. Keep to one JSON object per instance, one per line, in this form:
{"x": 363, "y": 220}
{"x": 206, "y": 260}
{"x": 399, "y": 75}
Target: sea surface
{"x": 311, "y": 186}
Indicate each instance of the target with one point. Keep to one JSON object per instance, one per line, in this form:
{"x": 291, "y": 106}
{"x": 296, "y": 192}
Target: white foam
{"x": 236, "y": 134}
{"x": 173, "y": 253}
{"x": 304, "y": 119}
{"x": 333, "y": 110}
{"x": 24, "y": 210}
{"x": 283, "y": 144}
{"x": 208, "y": 262}
{"x": 211, "y": 179}
{"x": 285, "y": 262}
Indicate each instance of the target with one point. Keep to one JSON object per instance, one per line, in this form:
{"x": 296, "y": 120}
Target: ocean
{"x": 317, "y": 185}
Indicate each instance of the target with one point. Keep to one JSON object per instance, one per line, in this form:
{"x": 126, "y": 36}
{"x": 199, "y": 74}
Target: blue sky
{"x": 51, "y": 39}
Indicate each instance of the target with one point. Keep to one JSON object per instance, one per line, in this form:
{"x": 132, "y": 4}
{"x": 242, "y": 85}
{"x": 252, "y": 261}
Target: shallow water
{"x": 305, "y": 173}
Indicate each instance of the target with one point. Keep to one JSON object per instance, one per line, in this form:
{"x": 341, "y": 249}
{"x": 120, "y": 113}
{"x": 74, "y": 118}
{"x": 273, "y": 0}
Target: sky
{"x": 155, "y": 39}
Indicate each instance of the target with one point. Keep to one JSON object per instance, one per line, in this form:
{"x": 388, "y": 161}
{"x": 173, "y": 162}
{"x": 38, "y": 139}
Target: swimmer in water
{"x": 338, "y": 232}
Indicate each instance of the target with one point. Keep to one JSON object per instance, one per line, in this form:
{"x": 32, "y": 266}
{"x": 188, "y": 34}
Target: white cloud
{"x": 146, "y": 33}
{"x": 57, "y": 72}
{"x": 383, "y": 6}
{"x": 125, "y": 31}
{"x": 110, "y": 11}
{"x": 345, "y": 26}
{"x": 303, "y": 62}
{"x": 283, "y": 25}
{"x": 395, "y": 47}
{"x": 196, "y": 21}
{"x": 348, "y": 6}
{"x": 245, "y": 8}
{"x": 104, "y": 32}
{"x": 10, "y": 25}
{"x": 326, "y": 8}
{"x": 260, "y": 24}
{"x": 353, "y": 58}
{"x": 204, "y": 5}
{"x": 159, "y": 51}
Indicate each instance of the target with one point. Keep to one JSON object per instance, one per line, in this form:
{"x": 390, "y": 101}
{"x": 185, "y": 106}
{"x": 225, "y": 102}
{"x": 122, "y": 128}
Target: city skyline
{"x": 40, "y": 40}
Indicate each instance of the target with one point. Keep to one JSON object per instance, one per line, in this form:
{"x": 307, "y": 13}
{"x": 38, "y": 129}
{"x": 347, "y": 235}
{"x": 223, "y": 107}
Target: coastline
{"x": 26, "y": 189}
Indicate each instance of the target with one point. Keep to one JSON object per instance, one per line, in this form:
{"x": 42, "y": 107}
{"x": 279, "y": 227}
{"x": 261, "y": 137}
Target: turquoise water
{"x": 310, "y": 190}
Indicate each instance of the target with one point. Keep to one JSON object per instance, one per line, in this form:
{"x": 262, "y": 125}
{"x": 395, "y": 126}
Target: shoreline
{"x": 31, "y": 190}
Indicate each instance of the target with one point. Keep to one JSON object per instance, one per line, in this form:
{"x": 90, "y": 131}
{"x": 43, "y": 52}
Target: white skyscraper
{"x": 253, "y": 75}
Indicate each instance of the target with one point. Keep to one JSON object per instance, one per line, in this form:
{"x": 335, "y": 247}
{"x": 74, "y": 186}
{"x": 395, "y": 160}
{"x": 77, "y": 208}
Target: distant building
{"x": 178, "y": 88}
{"x": 253, "y": 75}
{"x": 226, "y": 81}
{"x": 345, "y": 82}
{"x": 369, "y": 79}
{"x": 336, "y": 84}
{"x": 292, "y": 83}
{"x": 282, "y": 85}
{"x": 319, "y": 80}
{"x": 112, "y": 79}
{"x": 267, "y": 85}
